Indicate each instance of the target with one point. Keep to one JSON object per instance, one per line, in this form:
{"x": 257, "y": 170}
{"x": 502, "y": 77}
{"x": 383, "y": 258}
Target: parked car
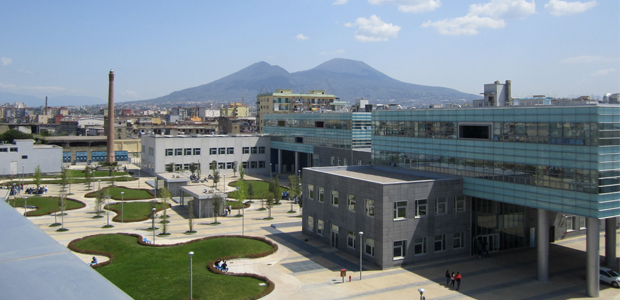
{"x": 610, "y": 276}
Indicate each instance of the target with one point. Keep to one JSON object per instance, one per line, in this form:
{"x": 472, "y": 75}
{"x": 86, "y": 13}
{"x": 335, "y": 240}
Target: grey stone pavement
{"x": 311, "y": 269}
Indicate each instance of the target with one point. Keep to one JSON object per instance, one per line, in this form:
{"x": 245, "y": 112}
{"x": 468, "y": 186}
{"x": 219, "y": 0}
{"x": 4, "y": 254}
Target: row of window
{"x": 399, "y": 247}
{"x": 11, "y": 149}
{"x": 213, "y": 151}
{"x": 571, "y": 223}
{"x": 400, "y": 207}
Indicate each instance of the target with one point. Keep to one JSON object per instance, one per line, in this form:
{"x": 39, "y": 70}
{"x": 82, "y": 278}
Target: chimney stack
{"x": 110, "y": 155}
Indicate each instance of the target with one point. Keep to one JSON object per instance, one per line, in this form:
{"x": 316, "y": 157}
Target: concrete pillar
{"x": 296, "y": 163}
{"x": 592, "y": 254}
{"x": 542, "y": 245}
{"x": 610, "y": 241}
{"x": 279, "y": 164}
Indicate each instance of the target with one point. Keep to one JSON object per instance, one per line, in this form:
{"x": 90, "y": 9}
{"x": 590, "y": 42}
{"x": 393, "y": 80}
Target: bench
{"x": 146, "y": 241}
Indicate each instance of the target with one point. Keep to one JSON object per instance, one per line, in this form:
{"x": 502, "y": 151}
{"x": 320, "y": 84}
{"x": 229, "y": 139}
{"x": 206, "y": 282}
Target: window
{"x": 169, "y": 152}
{"x": 321, "y": 192}
{"x": 420, "y": 207}
{"x": 221, "y": 166}
{"x": 253, "y": 165}
{"x": 400, "y": 210}
{"x": 310, "y": 224}
{"x": 24, "y": 156}
{"x": 221, "y": 150}
{"x": 370, "y": 247}
{"x": 319, "y": 227}
{"x": 335, "y": 198}
{"x": 419, "y": 246}
{"x": 261, "y": 149}
{"x": 582, "y": 223}
{"x": 229, "y": 165}
{"x": 213, "y": 151}
{"x": 254, "y": 150}
{"x": 187, "y": 151}
{"x": 178, "y": 152}
{"x": 245, "y": 164}
{"x": 370, "y": 208}
{"x": 246, "y": 150}
{"x": 459, "y": 203}
{"x": 230, "y": 150}
{"x": 185, "y": 166}
{"x": 311, "y": 192}
{"x": 459, "y": 240}
{"x": 319, "y": 124}
{"x": 13, "y": 149}
{"x": 400, "y": 248}
{"x": 570, "y": 223}
{"x": 351, "y": 203}
{"x": 440, "y": 206}
{"x": 351, "y": 239}
{"x": 261, "y": 164}
{"x": 333, "y": 161}
{"x": 474, "y": 132}
{"x": 440, "y": 243}
{"x": 196, "y": 151}
{"x": 151, "y": 151}
{"x": 143, "y": 149}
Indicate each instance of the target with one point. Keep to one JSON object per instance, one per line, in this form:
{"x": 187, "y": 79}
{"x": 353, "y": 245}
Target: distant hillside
{"x": 347, "y": 79}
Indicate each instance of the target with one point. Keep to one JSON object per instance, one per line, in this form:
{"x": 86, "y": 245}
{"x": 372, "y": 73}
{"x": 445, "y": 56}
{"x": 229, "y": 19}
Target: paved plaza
{"x": 304, "y": 268}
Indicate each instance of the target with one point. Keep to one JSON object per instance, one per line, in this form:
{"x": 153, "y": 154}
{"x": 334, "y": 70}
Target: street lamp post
{"x": 25, "y": 205}
{"x": 153, "y": 209}
{"x": 270, "y": 170}
{"x": 191, "y": 280}
{"x": 421, "y": 290}
{"x": 122, "y": 207}
{"x": 243, "y": 219}
{"x": 361, "y": 239}
{"x": 138, "y": 178}
{"x": 108, "y": 210}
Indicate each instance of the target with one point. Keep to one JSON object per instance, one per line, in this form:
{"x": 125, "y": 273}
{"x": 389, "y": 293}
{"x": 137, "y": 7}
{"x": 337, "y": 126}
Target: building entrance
{"x": 335, "y": 236}
{"x": 489, "y": 242}
{"x": 499, "y": 225}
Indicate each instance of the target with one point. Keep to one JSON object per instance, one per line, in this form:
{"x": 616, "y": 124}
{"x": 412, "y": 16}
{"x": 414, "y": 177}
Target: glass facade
{"x": 560, "y": 158}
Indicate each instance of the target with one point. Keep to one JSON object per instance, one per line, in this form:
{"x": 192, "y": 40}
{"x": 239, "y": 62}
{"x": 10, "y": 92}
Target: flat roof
{"x": 382, "y": 175}
{"x": 173, "y": 177}
{"x": 202, "y": 191}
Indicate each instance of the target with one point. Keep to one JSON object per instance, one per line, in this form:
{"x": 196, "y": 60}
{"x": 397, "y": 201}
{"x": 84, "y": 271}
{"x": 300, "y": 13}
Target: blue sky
{"x": 553, "y": 47}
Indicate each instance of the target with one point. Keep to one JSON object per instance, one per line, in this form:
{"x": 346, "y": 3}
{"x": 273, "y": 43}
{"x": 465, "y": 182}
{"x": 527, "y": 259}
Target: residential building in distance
{"x": 285, "y": 101}
{"x": 237, "y": 110}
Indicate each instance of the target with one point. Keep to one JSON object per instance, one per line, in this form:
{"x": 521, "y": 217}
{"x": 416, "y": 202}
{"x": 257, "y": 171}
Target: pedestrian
{"x": 452, "y": 279}
{"x": 458, "y": 280}
{"x": 479, "y": 248}
{"x": 229, "y": 209}
{"x": 447, "y": 278}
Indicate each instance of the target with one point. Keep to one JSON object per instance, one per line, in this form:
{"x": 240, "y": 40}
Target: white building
{"x": 22, "y": 157}
{"x": 161, "y": 150}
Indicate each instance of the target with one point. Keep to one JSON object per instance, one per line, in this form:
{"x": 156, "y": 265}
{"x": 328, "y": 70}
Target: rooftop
{"x": 382, "y": 175}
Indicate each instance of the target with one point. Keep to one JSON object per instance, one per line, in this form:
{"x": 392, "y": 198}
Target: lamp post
{"x": 23, "y": 173}
{"x": 138, "y": 178}
{"x": 270, "y": 170}
{"x": 108, "y": 210}
{"x": 421, "y": 290}
{"x": 25, "y": 206}
{"x": 122, "y": 207}
{"x": 243, "y": 219}
{"x": 361, "y": 238}
{"x": 191, "y": 287}
{"x": 224, "y": 183}
{"x": 99, "y": 181}
{"x": 153, "y": 210}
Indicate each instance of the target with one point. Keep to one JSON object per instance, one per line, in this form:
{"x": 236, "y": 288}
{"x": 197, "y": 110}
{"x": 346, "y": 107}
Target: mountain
{"x": 345, "y": 78}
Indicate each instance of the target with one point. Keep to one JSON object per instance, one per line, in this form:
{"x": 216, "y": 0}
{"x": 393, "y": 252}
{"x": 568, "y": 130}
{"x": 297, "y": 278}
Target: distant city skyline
{"x": 552, "y": 47}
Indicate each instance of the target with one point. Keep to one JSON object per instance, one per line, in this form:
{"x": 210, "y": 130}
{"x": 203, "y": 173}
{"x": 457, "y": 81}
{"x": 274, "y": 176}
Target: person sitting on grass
{"x": 224, "y": 266}
{"x": 94, "y": 262}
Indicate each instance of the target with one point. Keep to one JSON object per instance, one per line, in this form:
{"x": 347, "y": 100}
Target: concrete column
{"x": 592, "y": 254}
{"x": 610, "y": 241}
{"x": 542, "y": 245}
{"x": 296, "y": 163}
{"x": 279, "y": 164}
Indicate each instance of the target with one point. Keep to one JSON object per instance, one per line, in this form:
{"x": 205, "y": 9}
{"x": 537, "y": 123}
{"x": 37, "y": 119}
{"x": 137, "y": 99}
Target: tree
{"x": 165, "y": 197}
{"x": 234, "y": 167}
{"x": 216, "y": 178}
{"x": 111, "y": 169}
{"x": 217, "y": 206}
{"x": 198, "y": 170}
{"x": 62, "y": 204}
{"x": 241, "y": 170}
{"x": 213, "y": 167}
{"x": 64, "y": 179}
{"x": 69, "y": 180}
{"x": 274, "y": 188}
{"x": 240, "y": 197}
{"x": 99, "y": 199}
{"x": 11, "y": 135}
{"x": 88, "y": 175}
{"x": 251, "y": 191}
{"x": 192, "y": 168}
{"x": 36, "y": 177}
{"x": 190, "y": 217}
{"x": 270, "y": 203}
{"x": 294, "y": 187}
{"x": 169, "y": 167}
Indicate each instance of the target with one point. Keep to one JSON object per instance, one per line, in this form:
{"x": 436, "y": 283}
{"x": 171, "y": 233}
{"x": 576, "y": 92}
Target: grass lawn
{"x": 261, "y": 188}
{"x": 45, "y": 205}
{"x": 130, "y": 194}
{"x": 134, "y": 211}
{"x": 146, "y": 272}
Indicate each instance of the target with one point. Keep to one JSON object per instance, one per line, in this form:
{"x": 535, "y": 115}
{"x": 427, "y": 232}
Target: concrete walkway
{"x": 304, "y": 268}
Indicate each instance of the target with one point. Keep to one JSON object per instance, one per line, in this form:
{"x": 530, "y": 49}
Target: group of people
{"x": 450, "y": 279}
{"x": 37, "y": 191}
{"x": 221, "y": 265}
{"x": 16, "y": 189}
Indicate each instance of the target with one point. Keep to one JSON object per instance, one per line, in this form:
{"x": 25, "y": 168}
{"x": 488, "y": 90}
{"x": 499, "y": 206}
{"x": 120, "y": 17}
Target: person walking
{"x": 447, "y": 278}
{"x": 458, "y": 280}
{"x": 452, "y": 279}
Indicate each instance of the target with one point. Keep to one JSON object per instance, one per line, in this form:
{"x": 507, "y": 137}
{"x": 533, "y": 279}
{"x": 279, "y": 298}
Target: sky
{"x": 560, "y": 48}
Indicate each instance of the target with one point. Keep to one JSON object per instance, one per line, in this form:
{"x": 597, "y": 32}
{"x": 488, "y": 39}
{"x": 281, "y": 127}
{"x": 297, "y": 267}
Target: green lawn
{"x": 99, "y": 173}
{"x": 134, "y": 211}
{"x": 261, "y": 188}
{"x": 146, "y": 272}
{"x": 130, "y": 194}
{"x": 45, "y": 205}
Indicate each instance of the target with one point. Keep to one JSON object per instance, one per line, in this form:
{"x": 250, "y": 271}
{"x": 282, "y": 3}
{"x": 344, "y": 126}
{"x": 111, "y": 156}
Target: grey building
{"x": 23, "y": 156}
{"x": 405, "y": 216}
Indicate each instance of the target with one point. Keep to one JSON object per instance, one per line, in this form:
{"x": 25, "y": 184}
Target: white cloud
{"x": 5, "y": 61}
{"x": 488, "y": 15}
{"x": 604, "y": 72}
{"x": 373, "y": 29}
{"x": 340, "y": 2}
{"x": 585, "y": 59}
{"x": 301, "y": 37}
{"x": 333, "y": 52}
{"x": 467, "y": 25}
{"x": 412, "y": 6}
{"x": 25, "y": 71}
{"x": 564, "y": 8}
